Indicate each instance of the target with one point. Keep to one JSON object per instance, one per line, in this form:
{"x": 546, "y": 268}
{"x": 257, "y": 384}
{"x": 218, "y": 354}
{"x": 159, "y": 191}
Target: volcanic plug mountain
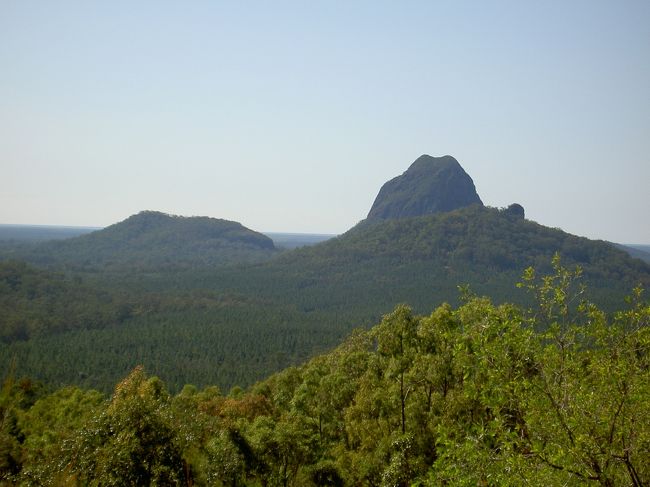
{"x": 429, "y": 185}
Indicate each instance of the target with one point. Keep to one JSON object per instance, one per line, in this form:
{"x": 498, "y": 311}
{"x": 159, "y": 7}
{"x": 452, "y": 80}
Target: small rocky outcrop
{"x": 516, "y": 211}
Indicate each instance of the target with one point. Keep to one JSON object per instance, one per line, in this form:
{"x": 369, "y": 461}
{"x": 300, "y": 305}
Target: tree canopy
{"x": 479, "y": 394}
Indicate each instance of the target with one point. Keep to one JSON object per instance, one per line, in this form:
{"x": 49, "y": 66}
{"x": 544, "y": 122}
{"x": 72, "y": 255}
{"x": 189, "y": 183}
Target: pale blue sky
{"x": 289, "y": 116}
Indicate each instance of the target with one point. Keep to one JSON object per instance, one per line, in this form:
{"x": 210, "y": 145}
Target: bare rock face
{"x": 430, "y": 185}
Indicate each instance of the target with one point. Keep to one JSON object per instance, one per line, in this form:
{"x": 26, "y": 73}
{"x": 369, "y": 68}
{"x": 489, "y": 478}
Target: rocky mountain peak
{"x": 429, "y": 185}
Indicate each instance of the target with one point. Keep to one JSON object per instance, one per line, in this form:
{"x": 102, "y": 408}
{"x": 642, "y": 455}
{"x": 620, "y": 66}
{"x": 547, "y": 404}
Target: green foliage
{"x": 474, "y": 395}
{"x": 46, "y": 426}
{"x": 233, "y": 325}
{"x": 132, "y": 441}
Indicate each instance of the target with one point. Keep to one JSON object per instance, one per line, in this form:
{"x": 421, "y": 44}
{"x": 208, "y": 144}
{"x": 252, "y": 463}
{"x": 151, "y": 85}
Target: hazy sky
{"x": 289, "y": 116}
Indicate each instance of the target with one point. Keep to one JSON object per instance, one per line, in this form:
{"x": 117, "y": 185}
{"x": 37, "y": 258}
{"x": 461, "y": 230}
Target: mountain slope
{"x": 152, "y": 239}
{"x": 413, "y": 259}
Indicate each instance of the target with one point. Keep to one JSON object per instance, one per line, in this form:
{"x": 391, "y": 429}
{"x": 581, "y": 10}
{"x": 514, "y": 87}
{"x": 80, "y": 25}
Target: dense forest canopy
{"x": 543, "y": 383}
{"x": 481, "y": 394}
{"x": 234, "y": 323}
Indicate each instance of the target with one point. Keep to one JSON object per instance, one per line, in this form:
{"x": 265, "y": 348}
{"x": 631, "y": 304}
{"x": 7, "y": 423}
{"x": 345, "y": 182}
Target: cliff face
{"x": 429, "y": 185}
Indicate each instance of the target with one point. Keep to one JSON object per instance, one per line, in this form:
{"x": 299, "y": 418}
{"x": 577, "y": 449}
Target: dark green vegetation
{"x": 209, "y": 302}
{"x": 473, "y": 395}
{"x": 430, "y": 185}
{"x": 236, "y": 324}
{"x": 539, "y": 387}
{"x": 152, "y": 239}
{"x": 36, "y": 303}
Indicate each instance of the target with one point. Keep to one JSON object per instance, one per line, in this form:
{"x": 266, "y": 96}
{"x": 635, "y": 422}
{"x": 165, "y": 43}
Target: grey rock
{"x": 429, "y": 185}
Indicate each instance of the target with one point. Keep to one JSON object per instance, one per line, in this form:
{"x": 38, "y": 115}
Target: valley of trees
{"x": 551, "y": 393}
{"x": 88, "y": 322}
{"x": 241, "y": 364}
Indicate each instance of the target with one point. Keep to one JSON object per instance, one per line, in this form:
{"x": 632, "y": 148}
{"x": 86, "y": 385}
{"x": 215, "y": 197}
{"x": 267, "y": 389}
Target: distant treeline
{"x": 39, "y": 233}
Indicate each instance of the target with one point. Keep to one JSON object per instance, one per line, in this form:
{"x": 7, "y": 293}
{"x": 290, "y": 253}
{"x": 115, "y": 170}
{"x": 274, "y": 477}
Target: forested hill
{"x": 422, "y": 258}
{"x": 235, "y": 325}
{"x": 162, "y": 301}
{"x": 157, "y": 240}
